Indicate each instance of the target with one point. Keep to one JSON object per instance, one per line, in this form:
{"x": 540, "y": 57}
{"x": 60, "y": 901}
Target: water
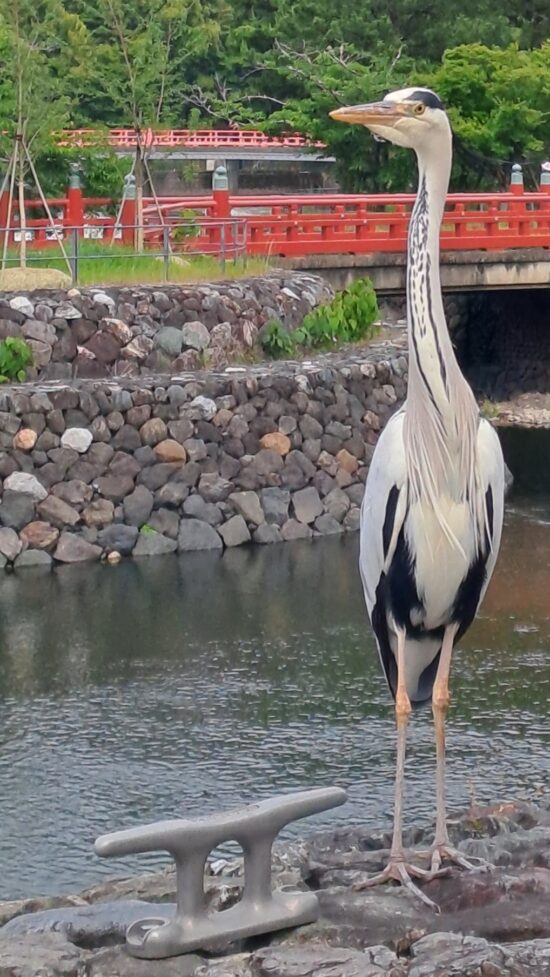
{"x": 176, "y": 687}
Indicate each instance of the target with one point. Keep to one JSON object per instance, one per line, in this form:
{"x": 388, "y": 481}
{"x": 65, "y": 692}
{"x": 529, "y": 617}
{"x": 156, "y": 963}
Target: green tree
{"x": 498, "y": 101}
{"x": 33, "y": 101}
{"x": 141, "y": 49}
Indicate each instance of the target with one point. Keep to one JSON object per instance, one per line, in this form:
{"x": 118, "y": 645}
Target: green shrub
{"x": 15, "y": 357}
{"x": 190, "y": 229}
{"x": 349, "y": 317}
{"x": 277, "y": 341}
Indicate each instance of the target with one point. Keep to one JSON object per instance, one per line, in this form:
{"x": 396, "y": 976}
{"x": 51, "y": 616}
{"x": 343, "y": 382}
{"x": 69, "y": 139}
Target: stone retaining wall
{"x": 197, "y": 461}
{"x": 93, "y": 332}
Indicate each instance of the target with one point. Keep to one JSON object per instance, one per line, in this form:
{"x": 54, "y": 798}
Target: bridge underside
{"x": 224, "y": 153}
{"x": 469, "y": 271}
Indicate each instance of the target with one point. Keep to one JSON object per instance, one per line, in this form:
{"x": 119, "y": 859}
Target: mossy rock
{"x": 26, "y": 279}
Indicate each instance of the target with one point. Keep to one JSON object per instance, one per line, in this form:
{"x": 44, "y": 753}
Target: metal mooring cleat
{"x": 190, "y": 841}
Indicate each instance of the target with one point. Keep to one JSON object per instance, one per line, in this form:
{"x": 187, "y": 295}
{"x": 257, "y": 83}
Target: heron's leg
{"x": 398, "y": 869}
{"x": 442, "y": 847}
{"x": 403, "y": 710}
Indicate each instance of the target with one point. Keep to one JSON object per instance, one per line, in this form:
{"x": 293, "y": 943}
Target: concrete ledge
{"x": 460, "y": 270}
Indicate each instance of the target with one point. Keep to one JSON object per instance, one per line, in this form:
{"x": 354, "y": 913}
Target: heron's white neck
{"x": 442, "y": 414}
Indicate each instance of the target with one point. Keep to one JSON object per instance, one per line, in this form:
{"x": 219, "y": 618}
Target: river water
{"x": 177, "y": 687}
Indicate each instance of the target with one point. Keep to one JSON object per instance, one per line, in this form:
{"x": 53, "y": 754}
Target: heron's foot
{"x": 445, "y": 852}
{"x": 403, "y": 872}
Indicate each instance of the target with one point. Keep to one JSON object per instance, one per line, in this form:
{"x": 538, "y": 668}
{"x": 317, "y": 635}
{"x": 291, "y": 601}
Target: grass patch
{"x": 488, "y": 409}
{"x": 99, "y": 264}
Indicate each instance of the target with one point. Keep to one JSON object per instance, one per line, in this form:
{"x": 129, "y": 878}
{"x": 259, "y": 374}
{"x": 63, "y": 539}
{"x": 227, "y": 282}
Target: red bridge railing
{"x": 298, "y": 225}
{"x": 190, "y": 138}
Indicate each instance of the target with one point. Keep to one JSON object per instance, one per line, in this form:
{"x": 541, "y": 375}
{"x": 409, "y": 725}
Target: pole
{"x": 6, "y": 200}
{"x": 222, "y": 246}
{"x": 22, "y": 214}
{"x": 13, "y": 164}
{"x": 74, "y": 255}
{"x": 166, "y": 251}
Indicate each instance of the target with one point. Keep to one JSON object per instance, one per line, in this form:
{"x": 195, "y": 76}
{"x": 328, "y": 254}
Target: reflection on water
{"x": 180, "y": 686}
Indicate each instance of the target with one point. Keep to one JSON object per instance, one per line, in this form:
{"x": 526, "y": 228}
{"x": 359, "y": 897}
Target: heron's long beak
{"x": 375, "y": 113}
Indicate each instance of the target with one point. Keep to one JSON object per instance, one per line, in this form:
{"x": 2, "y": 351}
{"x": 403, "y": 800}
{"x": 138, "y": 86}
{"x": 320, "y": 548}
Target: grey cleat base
{"x": 155, "y": 938}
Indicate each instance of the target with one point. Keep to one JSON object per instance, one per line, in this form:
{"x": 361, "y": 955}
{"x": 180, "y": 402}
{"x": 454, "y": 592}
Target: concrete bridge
{"x": 461, "y": 271}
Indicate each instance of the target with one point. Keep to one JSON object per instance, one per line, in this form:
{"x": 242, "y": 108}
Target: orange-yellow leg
{"x": 442, "y": 848}
{"x": 398, "y": 869}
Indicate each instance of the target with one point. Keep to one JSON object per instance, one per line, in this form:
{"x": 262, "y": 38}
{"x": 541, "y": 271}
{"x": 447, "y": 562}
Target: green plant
{"x": 346, "y": 319}
{"x": 488, "y": 409}
{"x": 15, "y": 357}
{"x": 349, "y": 317}
{"x": 147, "y": 530}
{"x": 277, "y": 341}
{"x": 188, "y": 230}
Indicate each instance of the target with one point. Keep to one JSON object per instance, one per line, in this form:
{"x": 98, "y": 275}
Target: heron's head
{"x": 411, "y": 117}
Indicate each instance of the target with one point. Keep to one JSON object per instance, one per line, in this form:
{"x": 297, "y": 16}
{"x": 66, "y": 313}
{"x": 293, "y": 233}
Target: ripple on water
{"x": 140, "y": 692}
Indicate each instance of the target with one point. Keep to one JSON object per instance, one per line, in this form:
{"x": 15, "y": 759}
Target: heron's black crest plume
{"x": 429, "y": 99}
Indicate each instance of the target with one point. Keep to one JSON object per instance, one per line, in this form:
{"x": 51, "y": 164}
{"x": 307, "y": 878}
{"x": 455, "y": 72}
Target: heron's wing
{"x": 491, "y": 467}
{"x": 384, "y": 507}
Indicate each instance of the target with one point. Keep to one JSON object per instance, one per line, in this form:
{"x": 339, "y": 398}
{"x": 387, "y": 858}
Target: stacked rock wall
{"x": 202, "y": 461}
{"x": 85, "y": 333}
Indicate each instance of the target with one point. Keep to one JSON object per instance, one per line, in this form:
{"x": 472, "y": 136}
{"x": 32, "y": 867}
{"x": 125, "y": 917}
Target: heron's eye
{"x": 419, "y": 109}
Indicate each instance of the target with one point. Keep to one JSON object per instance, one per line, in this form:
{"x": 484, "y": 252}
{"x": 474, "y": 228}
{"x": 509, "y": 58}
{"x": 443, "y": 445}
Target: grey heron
{"x": 431, "y": 517}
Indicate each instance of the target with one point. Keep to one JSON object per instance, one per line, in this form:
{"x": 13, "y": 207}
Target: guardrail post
{"x": 74, "y": 216}
{"x": 128, "y": 211}
{"x": 544, "y": 183}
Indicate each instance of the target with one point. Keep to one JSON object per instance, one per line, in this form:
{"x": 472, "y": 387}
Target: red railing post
{"x": 544, "y": 182}
{"x": 516, "y": 207}
{"x": 222, "y": 204}
{"x": 74, "y": 214}
{"x": 128, "y": 211}
{"x": 516, "y": 179}
{"x": 220, "y": 192}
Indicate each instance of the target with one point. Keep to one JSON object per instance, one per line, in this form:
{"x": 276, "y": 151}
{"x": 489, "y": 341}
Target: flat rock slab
{"x": 100, "y": 924}
{"x": 48, "y": 955}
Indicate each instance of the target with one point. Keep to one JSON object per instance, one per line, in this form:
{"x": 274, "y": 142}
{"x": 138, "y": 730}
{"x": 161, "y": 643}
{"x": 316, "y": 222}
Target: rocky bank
{"x": 131, "y": 331}
{"x": 200, "y": 460}
{"x": 491, "y": 924}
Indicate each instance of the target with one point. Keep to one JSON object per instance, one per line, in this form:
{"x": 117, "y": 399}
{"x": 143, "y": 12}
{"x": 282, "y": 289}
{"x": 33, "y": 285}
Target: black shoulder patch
{"x": 430, "y": 99}
{"x": 389, "y": 519}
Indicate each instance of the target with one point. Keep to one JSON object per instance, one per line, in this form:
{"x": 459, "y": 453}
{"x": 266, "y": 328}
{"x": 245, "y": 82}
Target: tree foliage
{"x": 280, "y": 65}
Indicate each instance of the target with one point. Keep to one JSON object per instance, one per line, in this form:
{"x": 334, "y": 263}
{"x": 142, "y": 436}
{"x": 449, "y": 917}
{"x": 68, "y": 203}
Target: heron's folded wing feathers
{"x": 491, "y": 467}
{"x": 384, "y": 507}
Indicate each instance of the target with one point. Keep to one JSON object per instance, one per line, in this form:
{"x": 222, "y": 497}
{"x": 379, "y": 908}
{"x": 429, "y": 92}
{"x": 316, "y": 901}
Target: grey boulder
{"x": 197, "y": 535}
{"x": 154, "y": 544}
